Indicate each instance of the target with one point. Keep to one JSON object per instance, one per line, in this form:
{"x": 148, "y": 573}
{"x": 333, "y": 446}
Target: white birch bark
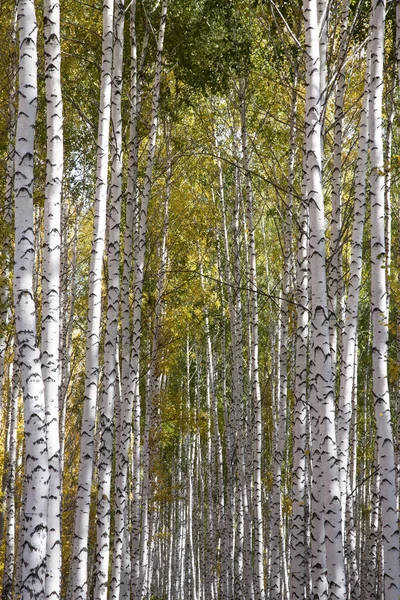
{"x": 299, "y": 549}
{"x": 235, "y": 530}
{"x": 79, "y": 566}
{"x": 190, "y": 482}
{"x": 229, "y": 542}
{"x": 20, "y": 542}
{"x": 51, "y": 287}
{"x": 217, "y": 535}
{"x": 326, "y": 490}
{"x": 6, "y": 251}
{"x": 10, "y": 549}
{"x": 34, "y": 524}
{"x": 67, "y": 311}
{"x": 121, "y": 559}
{"x": 241, "y": 573}
{"x": 386, "y": 460}
{"x": 139, "y": 255}
{"x": 255, "y": 383}
{"x": 111, "y": 346}
{"x": 244, "y": 576}
{"x": 335, "y": 275}
{"x": 153, "y": 392}
{"x": 350, "y": 329}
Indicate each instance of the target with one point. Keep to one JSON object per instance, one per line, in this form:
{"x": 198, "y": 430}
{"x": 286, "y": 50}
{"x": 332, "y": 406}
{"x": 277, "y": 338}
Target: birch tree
{"x": 10, "y": 550}
{"x": 139, "y": 255}
{"x": 327, "y": 520}
{"x": 255, "y": 382}
{"x": 34, "y": 524}
{"x": 386, "y": 461}
{"x": 51, "y": 287}
{"x": 111, "y": 346}
{"x": 79, "y": 583}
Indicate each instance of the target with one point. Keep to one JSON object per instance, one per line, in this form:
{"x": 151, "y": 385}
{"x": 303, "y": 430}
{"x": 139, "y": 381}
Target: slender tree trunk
{"x": 111, "y": 346}
{"x": 335, "y": 272}
{"x": 388, "y": 494}
{"x": 6, "y": 250}
{"x": 79, "y": 564}
{"x": 121, "y": 559}
{"x": 51, "y": 287}
{"x": 350, "y": 329}
{"x": 139, "y": 255}
{"x": 8, "y": 574}
{"x": 34, "y": 524}
{"x": 326, "y": 490}
{"x": 67, "y": 310}
{"x": 255, "y": 383}
{"x": 299, "y": 548}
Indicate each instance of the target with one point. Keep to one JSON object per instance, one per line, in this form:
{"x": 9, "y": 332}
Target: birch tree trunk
{"x": 139, "y": 255}
{"x": 8, "y": 574}
{"x": 335, "y": 275}
{"x": 121, "y": 559}
{"x": 299, "y": 549}
{"x": 111, "y": 346}
{"x": 386, "y": 459}
{"x": 350, "y": 329}
{"x": 255, "y": 382}
{"x": 79, "y": 564}
{"x": 34, "y": 524}
{"x": 51, "y": 287}
{"x": 6, "y": 251}
{"x": 152, "y": 393}
{"x": 327, "y": 520}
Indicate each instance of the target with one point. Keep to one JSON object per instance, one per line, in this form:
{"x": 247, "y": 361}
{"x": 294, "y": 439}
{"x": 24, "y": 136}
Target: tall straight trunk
{"x": 243, "y": 579}
{"x": 121, "y": 559}
{"x": 249, "y": 430}
{"x": 190, "y": 476}
{"x": 371, "y": 549}
{"x": 229, "y": 410}
{"x": 34, "y": 523}
{"x": 299, "y": 525}
{"x": 153, "y": 392}
{"x": 8, "y": 574}
{"x": 279, "y": 433}
{"x": 388, "y": 184}
{"x": 20, "y": 542}
{"x": 111, "y": 346}
{"x": 335, "y": 275}
{"x": 79, "y": 583}
{"x": 210, "y": 516}
{"x": 216, "y": 459}
{"x": 278, "y": 558}
{"x": 380, "y": 391}
{"x": 6, "y": 251}
{"x": 51, "y": 286}
{"x": 350, "y": 329}
{"x": 255, "y": 382}
{"x": 146, "y": 488}
{"x": 139, "y": 255}
{"x": 190, "y": 509}
{"x": 299, "y": 548}
{"x": 229, "y": 542}
{"x": 67, "y": 310}
{"x": 351, "y": 528}
{"x": 327, "y": 521}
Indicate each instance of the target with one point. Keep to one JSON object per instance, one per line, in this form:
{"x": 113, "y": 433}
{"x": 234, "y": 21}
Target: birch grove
{"x": 199, "y": 300}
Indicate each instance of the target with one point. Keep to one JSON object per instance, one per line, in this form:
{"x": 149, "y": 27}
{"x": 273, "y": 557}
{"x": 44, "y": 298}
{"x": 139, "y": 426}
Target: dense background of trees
{"x": 199, "y": 299}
